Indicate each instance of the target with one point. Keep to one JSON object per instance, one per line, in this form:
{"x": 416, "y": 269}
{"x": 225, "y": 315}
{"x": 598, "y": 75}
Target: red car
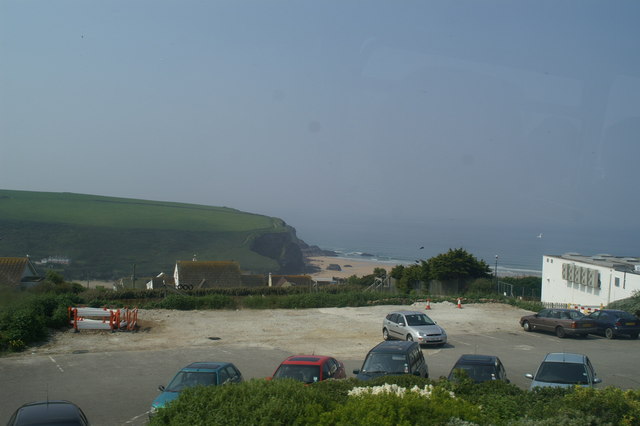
{"x": 310, "y": 368}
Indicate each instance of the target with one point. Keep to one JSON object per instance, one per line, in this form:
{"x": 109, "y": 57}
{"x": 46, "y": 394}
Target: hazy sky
{"x": 323, "y": 112}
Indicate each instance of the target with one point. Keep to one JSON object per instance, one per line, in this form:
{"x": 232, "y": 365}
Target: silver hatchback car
{"x": 413, "y": 325}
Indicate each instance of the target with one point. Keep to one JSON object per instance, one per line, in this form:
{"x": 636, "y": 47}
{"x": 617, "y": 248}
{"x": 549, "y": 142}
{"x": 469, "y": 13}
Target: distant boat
{"x": 540, "y": 235}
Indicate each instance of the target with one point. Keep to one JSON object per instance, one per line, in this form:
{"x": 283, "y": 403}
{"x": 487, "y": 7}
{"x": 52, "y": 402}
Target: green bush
{"x": 254, "y": 402}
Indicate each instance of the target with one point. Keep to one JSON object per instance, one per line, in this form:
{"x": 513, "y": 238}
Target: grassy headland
{"x": 105, "y": 236}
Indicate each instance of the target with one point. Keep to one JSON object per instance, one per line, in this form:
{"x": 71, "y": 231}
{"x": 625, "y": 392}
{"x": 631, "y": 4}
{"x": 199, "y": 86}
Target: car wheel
{"x": 526, "y": 326}
{"x": 608, "y": 333}
{"x": 560, "y": 332}
{"x": 385, "y": 334}
{"x": 409, "y": 338}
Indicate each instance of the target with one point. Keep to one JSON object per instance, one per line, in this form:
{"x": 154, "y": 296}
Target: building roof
{"x": 208, "y": 274}
{"x": 15, "y": 270}
{"x": 298, "y": 280}
{"x": 619, "y": 263}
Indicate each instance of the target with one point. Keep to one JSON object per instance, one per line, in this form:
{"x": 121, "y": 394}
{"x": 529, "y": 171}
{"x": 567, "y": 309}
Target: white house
{"x": 589, "y": 280}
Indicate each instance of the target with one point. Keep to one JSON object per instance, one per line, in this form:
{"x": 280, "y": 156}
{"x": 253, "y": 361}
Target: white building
{"x": 589, "y": 280}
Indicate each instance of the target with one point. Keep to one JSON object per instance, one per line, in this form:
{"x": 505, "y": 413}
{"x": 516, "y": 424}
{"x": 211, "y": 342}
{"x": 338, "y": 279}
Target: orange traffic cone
{"x": 459, "y": 304}
{"x": 428, "y": 304}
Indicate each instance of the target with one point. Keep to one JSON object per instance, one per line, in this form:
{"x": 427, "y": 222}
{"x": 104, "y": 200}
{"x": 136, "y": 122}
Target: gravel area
{"x": 341, "y": 332}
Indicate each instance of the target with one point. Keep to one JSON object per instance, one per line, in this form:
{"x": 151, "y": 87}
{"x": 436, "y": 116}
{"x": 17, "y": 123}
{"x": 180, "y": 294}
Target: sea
{"x": 510, "y": 250}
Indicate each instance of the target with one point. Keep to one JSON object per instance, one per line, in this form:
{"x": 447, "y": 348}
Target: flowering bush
{"x": 400, "y": 391}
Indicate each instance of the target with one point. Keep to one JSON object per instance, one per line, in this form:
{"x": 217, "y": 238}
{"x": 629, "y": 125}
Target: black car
{"x": 611, "y": 323}
{"x": 479, "y": 368}
{"x": 393, "y": 357}
{"x": 49, "y": 413}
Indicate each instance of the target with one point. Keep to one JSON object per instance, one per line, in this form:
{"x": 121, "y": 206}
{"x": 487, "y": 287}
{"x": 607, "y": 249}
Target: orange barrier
{"x": 102, "y": 318}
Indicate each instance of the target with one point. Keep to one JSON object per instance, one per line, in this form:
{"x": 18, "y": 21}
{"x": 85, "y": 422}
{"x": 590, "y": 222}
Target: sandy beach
{"x": 348, "y": 267}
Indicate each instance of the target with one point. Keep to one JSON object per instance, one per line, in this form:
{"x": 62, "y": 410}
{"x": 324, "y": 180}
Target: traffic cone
{"x": 459, "y": 304}
{"x": 428, "y": 304}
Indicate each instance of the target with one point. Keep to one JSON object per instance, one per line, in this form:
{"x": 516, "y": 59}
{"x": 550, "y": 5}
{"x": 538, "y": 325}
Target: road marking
{"x": 489, "y": 337}
{"x": 133, "y": 419}
{"x": 57, "y": 365}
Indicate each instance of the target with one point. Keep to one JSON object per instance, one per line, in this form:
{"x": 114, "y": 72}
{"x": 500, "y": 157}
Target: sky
{"x": 330, "y": 113}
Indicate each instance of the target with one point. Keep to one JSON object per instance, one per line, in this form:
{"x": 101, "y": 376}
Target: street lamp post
{"x": 495, "y": 274}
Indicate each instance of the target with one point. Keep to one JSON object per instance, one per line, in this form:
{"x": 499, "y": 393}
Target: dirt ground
{"x": 342, "y": 332}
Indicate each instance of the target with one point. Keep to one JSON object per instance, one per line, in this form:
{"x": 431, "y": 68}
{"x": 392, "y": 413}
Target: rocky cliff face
{"x": 288, "y": 250}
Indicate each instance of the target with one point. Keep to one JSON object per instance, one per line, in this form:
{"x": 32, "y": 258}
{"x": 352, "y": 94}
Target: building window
{"x": 617, "y": 282}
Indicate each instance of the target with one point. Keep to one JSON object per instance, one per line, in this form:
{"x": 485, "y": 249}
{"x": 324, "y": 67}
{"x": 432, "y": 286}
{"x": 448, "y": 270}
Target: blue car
{"x": 611, "y": 323}
{"x": 196, "y": 374}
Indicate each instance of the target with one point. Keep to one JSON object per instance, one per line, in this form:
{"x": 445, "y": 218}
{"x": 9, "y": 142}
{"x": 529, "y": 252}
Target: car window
{"x": 302, "y": 373}
{"x": 418, "y": 319}
{"x": 626, "y": 316}
{"x": 576, "y": 315}
{"x": 232, "y": 373}
{"x": 224, "y": 376}
{"x": 187, "y": 379}
{"x": 561, "y": 372}
{"x": 595, "y": 315}
{"x": 544, "y": 313}
{"x": 389, "y": 363}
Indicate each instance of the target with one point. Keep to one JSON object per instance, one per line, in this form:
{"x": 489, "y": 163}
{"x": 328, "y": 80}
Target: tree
{"x": 380, "y": 272}
{"x": 457, "y": 265}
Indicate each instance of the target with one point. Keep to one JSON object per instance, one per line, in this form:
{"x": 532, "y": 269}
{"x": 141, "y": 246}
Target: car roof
{"x": 565, "y": 357}
{"x": 205, "y": 366}
{"x": 406, "y": 312}
{"x": 477, "y": 359}
{"x": 58, "y": 412}
{"x": 306, "y": 359}
{"x": 391, "y": 346}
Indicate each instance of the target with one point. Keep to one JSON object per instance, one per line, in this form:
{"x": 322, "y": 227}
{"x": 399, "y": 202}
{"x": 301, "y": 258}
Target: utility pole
{"x": 133, "y": 277}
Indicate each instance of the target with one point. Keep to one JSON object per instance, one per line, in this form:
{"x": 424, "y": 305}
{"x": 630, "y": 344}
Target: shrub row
{"x": 27, "y": 320}
{"x": 286, "y": 402}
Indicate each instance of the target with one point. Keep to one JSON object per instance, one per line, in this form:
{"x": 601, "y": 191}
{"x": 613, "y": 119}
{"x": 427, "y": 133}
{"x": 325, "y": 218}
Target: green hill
{"x": 104, "y": 237}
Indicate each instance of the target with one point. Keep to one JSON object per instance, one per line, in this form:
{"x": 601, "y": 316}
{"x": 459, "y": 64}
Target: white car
{"x": 415, "y": 326}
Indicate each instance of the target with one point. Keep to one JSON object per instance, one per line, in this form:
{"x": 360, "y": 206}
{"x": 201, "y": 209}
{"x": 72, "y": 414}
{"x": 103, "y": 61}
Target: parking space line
{"x": 489, "y": 337}
{"x": 133, "y": 419}
{"x": 57, "y": 365}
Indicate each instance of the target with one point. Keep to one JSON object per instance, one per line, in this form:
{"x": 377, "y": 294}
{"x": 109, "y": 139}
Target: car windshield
{"x": 419, "y": 319}
{"x": 385, "y": 363}
{"x": 478, "y": 373}
{"x": 561, "y": 372}
{"x": 185, "y": 379}
{"x": 302, "y": 373}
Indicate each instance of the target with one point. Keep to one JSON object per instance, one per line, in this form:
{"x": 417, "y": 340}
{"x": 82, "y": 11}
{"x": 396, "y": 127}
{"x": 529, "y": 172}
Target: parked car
{"x": 196, "y": 374}
{"x": 562, "y": 322}
{"x": 564, "y": 370}
{"x": 413, "y": 325}
{"x": 611, "y": 323}
{"x": 310, "y": 368}
{"x": 48, "y": 413}
{"x": 479, "y": 368}
{"x": 393, "y": 357}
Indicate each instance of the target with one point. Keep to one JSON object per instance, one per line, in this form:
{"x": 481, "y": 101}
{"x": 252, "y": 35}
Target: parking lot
{"x": 116, "y": 384}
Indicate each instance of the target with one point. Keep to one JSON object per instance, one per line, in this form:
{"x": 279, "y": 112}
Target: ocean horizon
{"x": 519, "y": 250}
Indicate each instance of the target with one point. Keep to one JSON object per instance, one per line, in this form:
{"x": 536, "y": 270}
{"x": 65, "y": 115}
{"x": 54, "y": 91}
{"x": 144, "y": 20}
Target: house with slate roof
{"x": 207, "y": 274}
{"x": 18, "y": 272}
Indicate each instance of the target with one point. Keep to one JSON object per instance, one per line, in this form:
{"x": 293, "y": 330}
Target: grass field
{"x": 105, "y": 236}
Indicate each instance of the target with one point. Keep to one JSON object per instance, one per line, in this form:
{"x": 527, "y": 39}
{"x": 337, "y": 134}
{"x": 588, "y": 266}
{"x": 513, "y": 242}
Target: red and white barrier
{"x": 82, "y": 318}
